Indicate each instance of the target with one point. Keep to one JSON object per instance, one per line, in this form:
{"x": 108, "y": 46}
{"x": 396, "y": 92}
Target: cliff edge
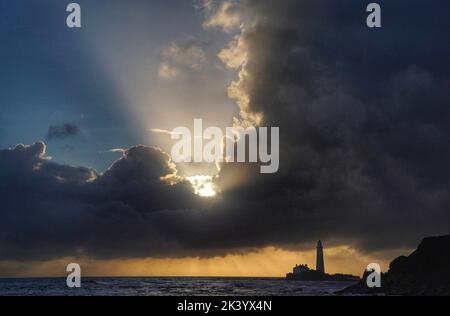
{"x": 426, "y": 271}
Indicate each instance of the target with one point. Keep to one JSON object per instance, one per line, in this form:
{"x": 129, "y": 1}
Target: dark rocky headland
{"x": 424, "y": 272}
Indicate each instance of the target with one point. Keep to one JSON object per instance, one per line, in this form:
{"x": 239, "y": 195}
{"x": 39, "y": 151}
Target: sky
{"x": 85, "y": 168}
{"x": 104, "y": 78}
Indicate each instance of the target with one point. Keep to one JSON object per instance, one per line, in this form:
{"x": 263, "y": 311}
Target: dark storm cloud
{"x": 363, "y": 117}
{"x": 50, "y": 210}
{"x": 62, "y": 131}
{"x": 364, "y": 123}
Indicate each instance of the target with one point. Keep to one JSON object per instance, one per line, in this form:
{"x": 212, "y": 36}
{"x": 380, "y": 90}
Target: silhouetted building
{"x": 320, "y": 265}
{"x": 303, "y": 272}
{"x": 301, "y": 268}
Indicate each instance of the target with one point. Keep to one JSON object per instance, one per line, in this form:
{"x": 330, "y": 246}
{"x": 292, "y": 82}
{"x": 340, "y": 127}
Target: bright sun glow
{"x": 203, "y": 185}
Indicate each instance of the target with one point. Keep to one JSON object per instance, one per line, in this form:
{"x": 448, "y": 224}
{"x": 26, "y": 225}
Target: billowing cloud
{"x": 49, "y": 209}
{"x": 189, "y": 54}
{"x": 227, "y": 15}
{"x": 363, "y": 129}
{"x": 235, "y": 55}
{"x": 166, "y": 71}
{"x": 179, "y": 58}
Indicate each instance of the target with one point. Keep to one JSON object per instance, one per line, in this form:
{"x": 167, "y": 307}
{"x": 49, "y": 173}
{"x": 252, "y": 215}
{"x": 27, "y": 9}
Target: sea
{"x": 168, "y": 286}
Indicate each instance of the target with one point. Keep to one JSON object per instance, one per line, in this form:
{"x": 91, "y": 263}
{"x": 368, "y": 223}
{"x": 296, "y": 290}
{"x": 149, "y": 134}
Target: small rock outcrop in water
{"x": 424, "y": 272}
